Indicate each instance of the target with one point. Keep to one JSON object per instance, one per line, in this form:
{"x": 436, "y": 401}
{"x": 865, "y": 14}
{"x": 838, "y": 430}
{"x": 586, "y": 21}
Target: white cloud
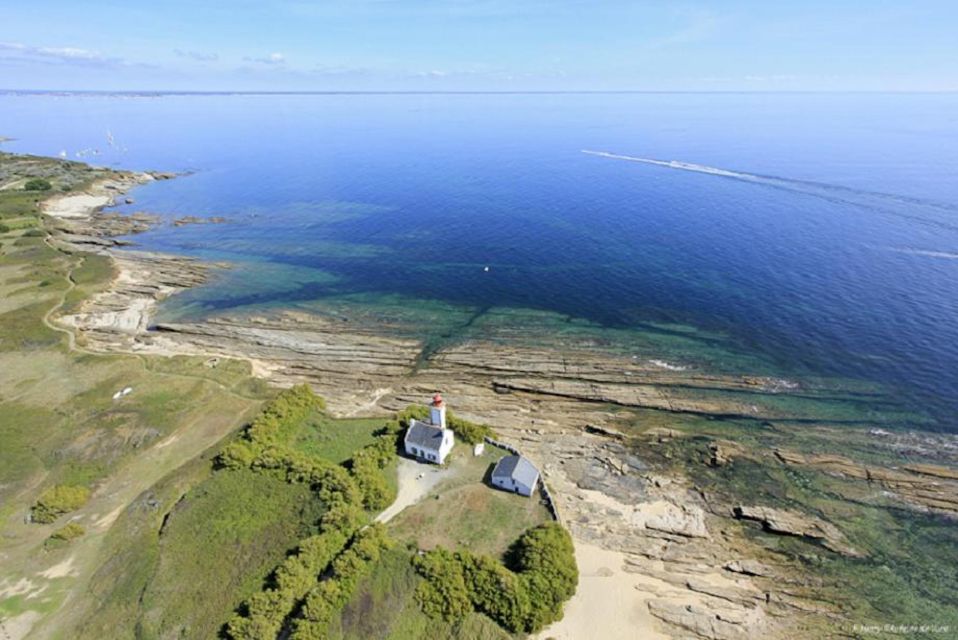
{"x": 16, "y": 52}
{"x": 55, "y": 55}
{"x": 199, "y": 56}
{"x": 275, "y": 58}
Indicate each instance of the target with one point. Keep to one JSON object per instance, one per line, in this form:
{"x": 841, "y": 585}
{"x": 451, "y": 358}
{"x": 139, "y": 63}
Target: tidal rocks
{"x": 684, "y": 520}
{"x": 704, "y": 622}
{"x": 185, "y": 220}
{"x": 748, "y": 567}
{"x": 925, "y": 486}
{"x": 722, "y": 452}
{"x": 797, "y": 524}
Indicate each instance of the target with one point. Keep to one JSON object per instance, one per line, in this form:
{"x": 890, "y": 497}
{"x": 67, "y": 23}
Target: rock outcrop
{"x": 924, "y": 486}
{"x": 797, "y": 524}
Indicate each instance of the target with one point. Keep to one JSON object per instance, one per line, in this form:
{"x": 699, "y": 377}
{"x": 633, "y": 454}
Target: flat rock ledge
{"x": 797, "y": 524}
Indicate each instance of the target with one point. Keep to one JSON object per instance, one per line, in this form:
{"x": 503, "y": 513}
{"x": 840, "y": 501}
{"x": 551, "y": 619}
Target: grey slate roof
{"x": 424, "y": 435}
{"x": 516, "y": 468}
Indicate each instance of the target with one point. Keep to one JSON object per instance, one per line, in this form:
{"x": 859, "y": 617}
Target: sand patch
{"x": 108, "y": 520}
{"x": 18, "y": 626}
{"x": 9, "y": 589}
{"x": 61, "y": 570}
{"x": 609, "y": 603}
{"x": 173, "y": 438}
{"x": 78, "y": 206}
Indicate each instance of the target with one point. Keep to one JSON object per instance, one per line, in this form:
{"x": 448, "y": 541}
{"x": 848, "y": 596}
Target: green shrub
{"x": 327, "y": 598}
{"x": 524, "y": 599}
{"x": 496, "y": 591}
{"x": 263, "y": 615}
{"x": 444, "y": 593}
{"x": 57, "y": 500}
{"x": 545, "y": 559}
{"x": 468, "y": 431}
{"x": 367, "y": 470}
{"x": 281, "y": 414}
{"x": 34, "y": 233}
{"x": 4, "y": 228}
{"x": 69, "y": 532}
{"x": 37, "y": 184}
{"x": 416, "y": 411}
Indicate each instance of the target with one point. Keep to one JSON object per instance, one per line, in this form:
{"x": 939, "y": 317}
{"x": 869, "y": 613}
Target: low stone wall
{"x": 547, "y": 499}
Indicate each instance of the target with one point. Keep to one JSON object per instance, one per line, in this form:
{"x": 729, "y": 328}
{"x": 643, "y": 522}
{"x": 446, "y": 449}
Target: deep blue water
{"x": 833, "y": 250}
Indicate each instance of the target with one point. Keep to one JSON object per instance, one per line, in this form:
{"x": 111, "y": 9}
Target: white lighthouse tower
{"x": 437, "y": 411}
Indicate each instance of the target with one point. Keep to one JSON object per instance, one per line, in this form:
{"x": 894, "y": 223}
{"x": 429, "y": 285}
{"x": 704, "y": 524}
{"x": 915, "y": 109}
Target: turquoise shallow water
{"x": 818, "y": 231}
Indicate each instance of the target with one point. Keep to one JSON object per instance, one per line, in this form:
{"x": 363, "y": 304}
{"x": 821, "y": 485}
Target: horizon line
{"x": 226, "y": 92}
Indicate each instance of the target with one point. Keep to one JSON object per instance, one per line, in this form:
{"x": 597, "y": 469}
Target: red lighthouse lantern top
{"x": 437, "y": 400}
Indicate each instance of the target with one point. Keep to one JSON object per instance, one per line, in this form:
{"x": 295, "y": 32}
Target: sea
{"x": 815, "y": 232}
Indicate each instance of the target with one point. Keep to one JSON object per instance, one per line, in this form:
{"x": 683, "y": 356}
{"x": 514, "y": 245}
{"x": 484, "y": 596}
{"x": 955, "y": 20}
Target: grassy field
{"x": 204, "y": 553}
{"x": 462, "y": 512}
{"x": 334, "y": 440}
{"x": 60, "y": 424}
{"x": 466, "y": 513}
{"x": 384, "y": 608}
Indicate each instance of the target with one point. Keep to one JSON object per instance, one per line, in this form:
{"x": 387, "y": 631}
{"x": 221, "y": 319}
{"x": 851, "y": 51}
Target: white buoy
{"x": 485, "y": 268}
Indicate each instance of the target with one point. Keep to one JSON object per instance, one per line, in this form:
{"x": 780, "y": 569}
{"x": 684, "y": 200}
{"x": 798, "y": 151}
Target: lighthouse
{"x": 430, "y": 441}
{"x": 437, "y": 411}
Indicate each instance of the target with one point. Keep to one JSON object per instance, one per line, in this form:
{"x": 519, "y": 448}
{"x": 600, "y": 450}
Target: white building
{"x": 515, "y": 474}
{"x": 430, "y": 441}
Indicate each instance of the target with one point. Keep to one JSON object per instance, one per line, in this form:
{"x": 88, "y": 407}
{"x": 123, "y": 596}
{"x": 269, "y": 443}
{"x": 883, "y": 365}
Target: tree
{"x": 37, "y": 184}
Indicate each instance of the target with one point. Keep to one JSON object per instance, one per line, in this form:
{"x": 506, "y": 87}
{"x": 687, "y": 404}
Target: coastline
{"x": 673, "y": 544}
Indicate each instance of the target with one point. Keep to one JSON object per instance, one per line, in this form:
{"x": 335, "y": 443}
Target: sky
{"x": 479, "y": 45}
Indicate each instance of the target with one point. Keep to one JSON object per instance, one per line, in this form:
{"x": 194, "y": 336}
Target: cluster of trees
{"x": 468, "y": 431}
{"x": 346, "y": 492}
{"x": 524, "y": 598}
{"x": 280, "y": 415}
{"x": 328, "y": 597}
{"x": 37, "y": 184}
{"x": 57, "y": 500}
{"x": 265, "y": 613}
{"x": 367, "y": 466}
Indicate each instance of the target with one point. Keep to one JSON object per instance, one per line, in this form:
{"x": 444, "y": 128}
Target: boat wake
{"x": 928, "y": 212}
{"x": 944, "y": 255}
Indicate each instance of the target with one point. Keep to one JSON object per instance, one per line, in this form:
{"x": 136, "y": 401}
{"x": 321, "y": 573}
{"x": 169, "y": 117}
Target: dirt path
{"x": 71, "y": 285}
{"x": 416, "y": 481}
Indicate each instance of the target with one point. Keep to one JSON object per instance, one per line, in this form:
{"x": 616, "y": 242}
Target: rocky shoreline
{"x": 685, "y": 555}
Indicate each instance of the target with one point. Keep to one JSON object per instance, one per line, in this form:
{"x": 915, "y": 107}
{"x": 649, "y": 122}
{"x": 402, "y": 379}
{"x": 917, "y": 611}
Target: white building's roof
{"x": 516, "y": 468}
{"x": 424, "y": 435}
